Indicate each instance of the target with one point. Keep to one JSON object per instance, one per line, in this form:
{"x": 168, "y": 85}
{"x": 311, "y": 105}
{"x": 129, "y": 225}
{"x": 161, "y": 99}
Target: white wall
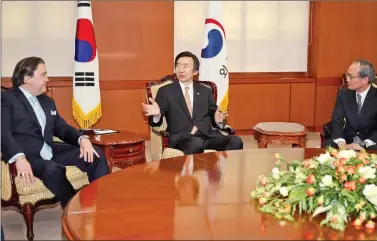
{"x": 262, "y": 36}
{"x": 39, "y": 28}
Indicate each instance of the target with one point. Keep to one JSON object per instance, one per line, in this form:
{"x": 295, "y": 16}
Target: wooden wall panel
{"x": 135, "y": 39}
{"x": 302, "y": 103}
{"x": 338, "y": 39}
{"x": 253, "y": 103}
{"x": 324, "y": 105}
{"x": 121, "y": 109}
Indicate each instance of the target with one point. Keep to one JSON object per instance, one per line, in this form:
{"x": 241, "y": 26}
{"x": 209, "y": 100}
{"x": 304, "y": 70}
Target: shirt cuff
{"x": 369, "y": 143}
{"x": 13, "y": 159}
{"x": 80, "y": 139}
{"x": 156, "y": 118}
{"x": 339, "y": 140}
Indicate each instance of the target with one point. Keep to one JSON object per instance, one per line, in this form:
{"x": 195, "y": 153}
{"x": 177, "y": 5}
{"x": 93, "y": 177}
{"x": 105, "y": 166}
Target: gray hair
{"x": 366, "y": 70}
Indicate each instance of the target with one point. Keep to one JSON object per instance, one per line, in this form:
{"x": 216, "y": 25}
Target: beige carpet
{"x": 47, "y": 222}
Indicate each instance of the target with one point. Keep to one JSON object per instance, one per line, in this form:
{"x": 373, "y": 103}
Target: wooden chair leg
{"x": 28, "y": 213}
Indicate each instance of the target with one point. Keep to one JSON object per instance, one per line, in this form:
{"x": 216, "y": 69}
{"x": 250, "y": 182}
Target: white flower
{"x": 367, "y": 172}
{"x": 324, "y": 158}
{"x": 370, "y": 192}
{"x": 347, "y": 154}
{"x": 283, "y": 191}
{"x": 275, "y": 173}
{"x": 326, "y": 181}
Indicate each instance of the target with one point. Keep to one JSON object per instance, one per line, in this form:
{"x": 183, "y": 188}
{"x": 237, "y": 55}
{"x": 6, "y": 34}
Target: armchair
{"x": 29, "y": 199}
{"x": 159, "y": 135}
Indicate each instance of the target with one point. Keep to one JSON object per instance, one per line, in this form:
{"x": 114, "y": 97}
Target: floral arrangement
{"x": 341, "y": 184}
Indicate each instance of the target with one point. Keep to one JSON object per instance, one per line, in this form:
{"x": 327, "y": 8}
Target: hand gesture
{"x": 87, "y": 150}
{"x": 152, "y": 109}
{"x": 220, "y": 116}
{"x": 24, "y": 171}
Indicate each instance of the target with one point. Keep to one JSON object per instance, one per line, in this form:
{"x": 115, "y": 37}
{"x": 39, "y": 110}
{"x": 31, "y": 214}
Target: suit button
{"x": 358, "y": 133}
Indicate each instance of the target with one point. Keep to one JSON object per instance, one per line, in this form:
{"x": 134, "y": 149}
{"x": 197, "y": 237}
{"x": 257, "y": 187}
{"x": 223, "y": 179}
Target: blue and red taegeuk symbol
{"x": 85, "y": 43}
{"x": 215, "y": 40}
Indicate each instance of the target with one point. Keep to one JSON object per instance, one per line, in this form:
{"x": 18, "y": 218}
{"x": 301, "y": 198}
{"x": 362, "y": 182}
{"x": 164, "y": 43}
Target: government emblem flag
{"x": 86, "y": 102}
{"x": 213, "y": 66}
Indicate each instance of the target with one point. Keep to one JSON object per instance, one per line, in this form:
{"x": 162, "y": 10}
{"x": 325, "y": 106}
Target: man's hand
{"x": 24, "y": 171}
{"x": 87, "y": 150}
{"x": 152, "y": 109}
{"x": 220, "y": 116}
{"x": 342, "y": 145}
{"x": 355, "y": 147}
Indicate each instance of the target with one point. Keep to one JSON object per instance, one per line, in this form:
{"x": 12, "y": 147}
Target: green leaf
{"x": 323, "y": 222}
{"x": 289, "y": 217}
{"x": 298, "y": 192}
{"x": 304, "y": 206}
{"x": 266, "y": 209}
{"x": 310, "y": 204}
{"x": 348, "y": 195}
{"x": 278, "y": 215}
{"x": 300, "y": 207}
{"x": 321, "y": 210}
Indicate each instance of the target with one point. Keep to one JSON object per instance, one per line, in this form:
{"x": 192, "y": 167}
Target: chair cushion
{"x": 73, "y": 174}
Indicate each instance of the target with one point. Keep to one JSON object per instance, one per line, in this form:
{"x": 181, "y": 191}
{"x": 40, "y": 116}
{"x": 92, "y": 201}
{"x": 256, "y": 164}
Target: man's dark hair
{"x": 25, "y": 67}
{"x": 191, "y": 55}
{"x": 366, "y": 70}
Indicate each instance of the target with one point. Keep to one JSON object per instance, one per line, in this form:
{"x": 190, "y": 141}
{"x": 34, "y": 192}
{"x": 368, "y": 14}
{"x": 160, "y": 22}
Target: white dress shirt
{"x": 363, "y": 96}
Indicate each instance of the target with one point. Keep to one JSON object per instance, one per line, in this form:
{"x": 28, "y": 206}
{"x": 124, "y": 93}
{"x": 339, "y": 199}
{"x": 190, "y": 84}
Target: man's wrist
{"x": 83, "y": 137}
{"x": 19, "y": 158}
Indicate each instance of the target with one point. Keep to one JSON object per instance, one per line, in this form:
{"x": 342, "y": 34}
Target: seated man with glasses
{"x": 354, "y": 119}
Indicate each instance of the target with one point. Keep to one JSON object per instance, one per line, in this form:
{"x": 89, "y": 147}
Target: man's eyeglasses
{"x": 347, "y": 76}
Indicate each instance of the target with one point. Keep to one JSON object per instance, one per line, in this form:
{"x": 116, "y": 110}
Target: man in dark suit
{"x": 29, "y": 120}
{"x": 189, "y": 109}
{"x": 354, "y": 119}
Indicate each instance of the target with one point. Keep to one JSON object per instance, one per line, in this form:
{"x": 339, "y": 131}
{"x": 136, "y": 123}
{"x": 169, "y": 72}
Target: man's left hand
{"x": 220, "y": 116}
{"x": 87, "y": 150}
{"x": 355, "y": 147}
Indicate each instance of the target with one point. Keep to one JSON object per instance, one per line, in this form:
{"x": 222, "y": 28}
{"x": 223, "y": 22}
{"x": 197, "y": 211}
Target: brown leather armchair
{"x": 159, "y": 135}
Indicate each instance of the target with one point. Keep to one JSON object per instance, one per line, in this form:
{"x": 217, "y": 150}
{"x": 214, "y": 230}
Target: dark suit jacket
{"x": 21, "y": 131}
{"x": 345, "y": 115}
{"x": 173, "y": 107}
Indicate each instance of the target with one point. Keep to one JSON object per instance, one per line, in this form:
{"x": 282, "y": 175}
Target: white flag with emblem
{"x": 213, "y": 64}
{"x": 86, "y": 103}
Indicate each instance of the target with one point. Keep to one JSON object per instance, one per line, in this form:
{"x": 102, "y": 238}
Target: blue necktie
{"x": 46, "y": 152}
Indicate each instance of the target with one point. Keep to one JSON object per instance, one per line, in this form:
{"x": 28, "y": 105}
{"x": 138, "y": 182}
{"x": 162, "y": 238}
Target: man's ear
{"x": 27, "y": 79}
{"x": 196, "y": 72}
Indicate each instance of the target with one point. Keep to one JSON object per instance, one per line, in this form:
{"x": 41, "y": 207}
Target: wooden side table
{"x": 121, "y": 149}
{"x": 280, "y": 133}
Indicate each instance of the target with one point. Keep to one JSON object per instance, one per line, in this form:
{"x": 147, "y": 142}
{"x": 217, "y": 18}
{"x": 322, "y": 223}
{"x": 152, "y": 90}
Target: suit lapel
{"x": 196, "y": 96}
{"x": 28, "y": 107}
{"x": 353, "y": 109}
{"x": 181, "y": 99}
